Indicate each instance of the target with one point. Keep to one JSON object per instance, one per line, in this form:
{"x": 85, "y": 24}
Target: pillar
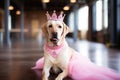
{"x": 94, "y": 32}
{"x": 22, "y": 24}
{"x": 118, "y": 21}
{"x": 112, "y": 22}
{"x": 75, "y": 34}
{"x": 6, "y": 27}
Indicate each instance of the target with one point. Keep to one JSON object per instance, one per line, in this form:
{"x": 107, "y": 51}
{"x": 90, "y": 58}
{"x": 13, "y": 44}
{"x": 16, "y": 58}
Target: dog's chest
{"x": 57, "y": 56}
{"x": 55, "y": 51}
{"x": 60, "y": 58}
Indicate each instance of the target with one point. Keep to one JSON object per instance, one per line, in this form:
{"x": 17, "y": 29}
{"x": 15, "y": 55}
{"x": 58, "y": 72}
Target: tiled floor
{"x": 16, "y": 61}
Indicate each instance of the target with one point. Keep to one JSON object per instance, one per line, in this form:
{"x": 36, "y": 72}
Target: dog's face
{"x": 55, "y": 31}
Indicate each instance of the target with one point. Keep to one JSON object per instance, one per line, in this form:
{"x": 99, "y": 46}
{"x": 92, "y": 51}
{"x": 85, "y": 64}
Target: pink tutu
{"x": 81, "y": 68}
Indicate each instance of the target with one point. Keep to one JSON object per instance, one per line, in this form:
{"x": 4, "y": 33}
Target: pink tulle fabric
{"x": 81, "y": 68}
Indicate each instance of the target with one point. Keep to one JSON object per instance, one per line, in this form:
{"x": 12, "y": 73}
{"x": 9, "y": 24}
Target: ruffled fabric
{"x": 81, "y": 68}
{"x": 39, "y": 64}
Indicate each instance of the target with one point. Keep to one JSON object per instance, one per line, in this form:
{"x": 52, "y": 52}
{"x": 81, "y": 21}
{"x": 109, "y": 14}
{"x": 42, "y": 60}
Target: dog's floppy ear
{"x": 44, "y": 29}
{"x": 65, "y": 29}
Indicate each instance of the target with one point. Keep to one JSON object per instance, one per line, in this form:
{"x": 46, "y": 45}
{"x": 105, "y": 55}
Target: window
{"x": 83, "y": 18}
{"x": 100, "y": 23}
{"x": 9, "y": 22}
{"x": 71, "y": 21}
{"x": 99, "y": 15}
{"x": 105, "y": 14}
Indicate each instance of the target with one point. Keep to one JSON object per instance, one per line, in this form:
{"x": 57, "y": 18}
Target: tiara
{"x": 55, "y": 17}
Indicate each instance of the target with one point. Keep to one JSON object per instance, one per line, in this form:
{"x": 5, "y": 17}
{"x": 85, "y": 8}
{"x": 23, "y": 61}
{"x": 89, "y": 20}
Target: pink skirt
{"x": 81, "y": 68}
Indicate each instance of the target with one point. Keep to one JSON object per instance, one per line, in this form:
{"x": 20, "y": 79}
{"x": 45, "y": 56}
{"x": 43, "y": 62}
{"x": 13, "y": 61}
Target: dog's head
{"x": 55, "y": 31}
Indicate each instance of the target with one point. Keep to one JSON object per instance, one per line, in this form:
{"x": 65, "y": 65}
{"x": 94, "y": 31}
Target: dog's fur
{"x": 62, "y": 60}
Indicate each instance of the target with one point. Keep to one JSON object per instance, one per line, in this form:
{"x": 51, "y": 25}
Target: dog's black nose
{"x": 54, "y": 35}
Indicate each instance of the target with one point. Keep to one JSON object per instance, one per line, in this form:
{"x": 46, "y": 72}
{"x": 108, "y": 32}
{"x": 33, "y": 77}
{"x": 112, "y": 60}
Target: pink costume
{"x": 80, "y": 67}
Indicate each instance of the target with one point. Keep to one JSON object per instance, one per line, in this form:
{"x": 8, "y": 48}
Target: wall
{"x": 33, "y": 21}
{"x": 1, "y": 18}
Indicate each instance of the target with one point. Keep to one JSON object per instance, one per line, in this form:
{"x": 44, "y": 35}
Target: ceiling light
{"x": 66, "y": 8}
{"x": 45, "y": 1}
{"x": 73, "y": 1}
{"x": 11, "y": 8}
{"x": 18, "y": 12}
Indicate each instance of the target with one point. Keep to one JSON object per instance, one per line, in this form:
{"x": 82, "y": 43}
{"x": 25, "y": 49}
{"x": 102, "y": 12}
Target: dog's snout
{"x": 54, "y": 35}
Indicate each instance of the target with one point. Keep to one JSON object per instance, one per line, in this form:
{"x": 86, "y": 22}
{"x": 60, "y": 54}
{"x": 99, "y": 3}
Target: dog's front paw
{"x": 60, "y": 77}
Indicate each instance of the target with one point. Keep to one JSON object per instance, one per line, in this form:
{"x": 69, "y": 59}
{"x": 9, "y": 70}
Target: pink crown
{"x": 54, "y": 16}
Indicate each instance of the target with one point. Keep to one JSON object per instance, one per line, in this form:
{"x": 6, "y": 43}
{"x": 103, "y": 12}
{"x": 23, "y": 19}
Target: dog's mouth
{"x": 54, "y": 40}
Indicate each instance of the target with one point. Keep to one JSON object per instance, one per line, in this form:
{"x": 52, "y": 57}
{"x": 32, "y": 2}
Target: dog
{"x": 58, "y": 56}
{"x": 55, "y": 32}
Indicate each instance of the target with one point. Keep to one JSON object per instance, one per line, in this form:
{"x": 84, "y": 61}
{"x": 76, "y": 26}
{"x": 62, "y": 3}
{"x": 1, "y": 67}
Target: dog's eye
{"x": 60, "y": 26}
{"x": 50, "y": 26}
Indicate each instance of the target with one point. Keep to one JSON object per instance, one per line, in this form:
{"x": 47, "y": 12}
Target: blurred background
{"x": 94, "y": 32}
{"x": 93, "y": 20}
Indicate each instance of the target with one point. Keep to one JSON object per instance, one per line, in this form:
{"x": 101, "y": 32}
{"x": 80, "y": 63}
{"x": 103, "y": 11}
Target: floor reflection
{"x": 16, "y": 61}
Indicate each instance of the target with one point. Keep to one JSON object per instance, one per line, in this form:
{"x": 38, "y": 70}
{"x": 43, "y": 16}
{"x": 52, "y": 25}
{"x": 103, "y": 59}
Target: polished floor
{"x": 16, "y": 60}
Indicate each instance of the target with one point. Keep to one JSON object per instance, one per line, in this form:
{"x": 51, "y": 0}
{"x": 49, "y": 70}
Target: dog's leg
{"x": 46, "y": 70}
{"x": 62, "y": 75}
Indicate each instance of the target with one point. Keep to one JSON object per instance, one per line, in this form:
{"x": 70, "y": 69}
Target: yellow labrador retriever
{"x": 55, "y": 32}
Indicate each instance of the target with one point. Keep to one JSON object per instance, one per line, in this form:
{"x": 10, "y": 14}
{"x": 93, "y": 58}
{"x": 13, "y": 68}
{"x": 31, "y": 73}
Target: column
{"x": 6, "y": 27}
{"x": 118, "y": 21}
{"x": 90, "y": 23}
{"x": 94, "y": 32}
{"x": 22, "y": 24}
{"x": 112, "y": 21}
{"x": 75, "y": 34}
